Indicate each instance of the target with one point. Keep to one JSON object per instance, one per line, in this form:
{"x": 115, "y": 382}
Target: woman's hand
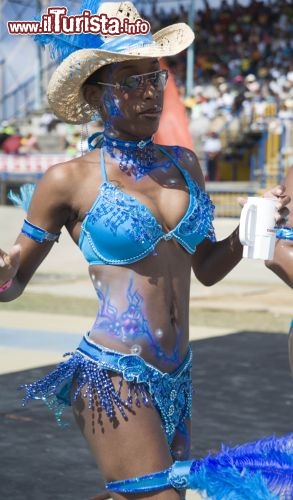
{"x": 9, "y": 264}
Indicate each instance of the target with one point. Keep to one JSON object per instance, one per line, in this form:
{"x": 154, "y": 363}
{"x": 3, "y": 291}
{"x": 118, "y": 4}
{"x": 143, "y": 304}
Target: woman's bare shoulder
{"x": 65, "y": 175}
{"x": 188, "y": 160}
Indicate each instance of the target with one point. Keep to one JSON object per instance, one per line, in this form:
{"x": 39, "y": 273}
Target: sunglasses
{"x": 157, "y": 79}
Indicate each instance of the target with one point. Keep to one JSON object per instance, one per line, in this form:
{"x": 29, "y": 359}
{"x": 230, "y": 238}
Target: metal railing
{"x": 22, "y": 100}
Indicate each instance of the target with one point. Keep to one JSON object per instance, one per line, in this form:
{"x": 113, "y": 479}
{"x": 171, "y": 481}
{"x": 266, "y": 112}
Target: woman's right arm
{"x": 282, "y": 263}
{"x": 49, "y": 210}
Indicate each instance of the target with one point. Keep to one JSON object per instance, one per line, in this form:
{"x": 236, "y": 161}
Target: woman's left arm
{"x": 212, "y": 261}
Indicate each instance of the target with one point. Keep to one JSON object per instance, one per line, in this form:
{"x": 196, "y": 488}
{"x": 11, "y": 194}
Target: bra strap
{"x": 184, "y": 173}
{"x": 165, "y": 152}
{"x": 103, "y": 165}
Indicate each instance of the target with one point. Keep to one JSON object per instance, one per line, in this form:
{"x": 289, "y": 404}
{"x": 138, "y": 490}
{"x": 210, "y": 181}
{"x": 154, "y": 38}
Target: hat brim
{"x": 65, "y": 87}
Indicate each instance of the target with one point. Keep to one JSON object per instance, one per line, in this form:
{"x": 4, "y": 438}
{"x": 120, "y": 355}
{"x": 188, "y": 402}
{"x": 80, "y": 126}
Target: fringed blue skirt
{"x": 89, "y": 370}
{"x": 262, "y": 470}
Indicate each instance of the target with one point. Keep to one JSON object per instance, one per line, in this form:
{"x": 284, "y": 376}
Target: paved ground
{"x": 244, "y": 389}
{"x": 243, "y": 392}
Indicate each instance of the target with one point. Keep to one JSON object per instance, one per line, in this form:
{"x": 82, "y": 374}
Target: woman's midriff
{"x": 143, "y": 315}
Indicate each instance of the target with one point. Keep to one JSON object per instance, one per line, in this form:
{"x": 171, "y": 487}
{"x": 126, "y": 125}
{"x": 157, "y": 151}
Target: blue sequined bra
{"x": 119, "y": 230}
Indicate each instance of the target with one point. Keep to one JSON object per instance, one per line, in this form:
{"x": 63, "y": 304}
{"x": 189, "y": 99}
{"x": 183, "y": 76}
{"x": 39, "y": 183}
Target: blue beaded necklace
{"x": 136, "y": 158}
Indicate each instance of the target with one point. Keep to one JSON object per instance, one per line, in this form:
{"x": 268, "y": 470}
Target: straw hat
{"x": 64, "y": 90}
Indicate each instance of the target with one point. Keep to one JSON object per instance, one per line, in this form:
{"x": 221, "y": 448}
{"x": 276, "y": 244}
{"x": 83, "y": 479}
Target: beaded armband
{"x": 37, "y": 233}
{"x": 177, "y": 476}
{"x": 285, "y": 233}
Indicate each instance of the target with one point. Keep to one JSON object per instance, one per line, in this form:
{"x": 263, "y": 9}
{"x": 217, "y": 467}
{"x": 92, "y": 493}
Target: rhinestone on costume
{"x": 136, "y": 349}
{"x": 159, "y": 333}
{"x": 172, "y": 395}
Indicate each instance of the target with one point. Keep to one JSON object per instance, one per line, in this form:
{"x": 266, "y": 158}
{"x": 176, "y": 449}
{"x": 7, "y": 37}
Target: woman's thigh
{"x": 125, "y": 448}
{"x": 180, "y": 447}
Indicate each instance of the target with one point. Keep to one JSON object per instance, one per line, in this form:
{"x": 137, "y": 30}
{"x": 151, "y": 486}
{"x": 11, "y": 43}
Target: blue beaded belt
{"x": 88, "y": 368}
{"x": 171, "y": 393}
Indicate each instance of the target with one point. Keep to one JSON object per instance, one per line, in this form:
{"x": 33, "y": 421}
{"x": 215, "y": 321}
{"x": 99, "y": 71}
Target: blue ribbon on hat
{"x": 61, "y": 46}
{"x": 122, "y": 42}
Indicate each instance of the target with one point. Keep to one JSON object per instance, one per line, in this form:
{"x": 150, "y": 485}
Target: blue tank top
{"x": 119, "y": 230}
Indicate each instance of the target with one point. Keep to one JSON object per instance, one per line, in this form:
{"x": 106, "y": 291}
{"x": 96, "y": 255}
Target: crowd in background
{"x": 243, "y": 63}
{"x": 242, "y": 54}
{"x": 243, "y": 60}
{"x": 233, "y": 41}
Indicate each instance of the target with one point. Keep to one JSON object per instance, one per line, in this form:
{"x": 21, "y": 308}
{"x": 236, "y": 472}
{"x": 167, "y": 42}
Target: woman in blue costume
{"x": 140, "y": 215}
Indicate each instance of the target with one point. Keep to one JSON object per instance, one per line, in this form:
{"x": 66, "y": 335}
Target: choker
{"x": 136, "y": 158}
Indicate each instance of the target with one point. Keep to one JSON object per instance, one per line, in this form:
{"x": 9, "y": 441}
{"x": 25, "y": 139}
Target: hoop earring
{"x": 84, "y": 133}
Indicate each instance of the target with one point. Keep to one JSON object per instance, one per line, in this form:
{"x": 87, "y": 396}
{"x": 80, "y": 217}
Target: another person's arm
{"x": 282, "y": 263}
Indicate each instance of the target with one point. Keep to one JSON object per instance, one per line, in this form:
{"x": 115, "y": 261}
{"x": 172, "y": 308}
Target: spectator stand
{"x": 16, "y": 170}
{"x": 257, "y": 153}
{"x": 260, "y": 151}
{"x": 44, "y": 141}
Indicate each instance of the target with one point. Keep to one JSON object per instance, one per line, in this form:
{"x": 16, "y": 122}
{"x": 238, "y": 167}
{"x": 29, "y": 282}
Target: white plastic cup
{"x": 257, "y": 231}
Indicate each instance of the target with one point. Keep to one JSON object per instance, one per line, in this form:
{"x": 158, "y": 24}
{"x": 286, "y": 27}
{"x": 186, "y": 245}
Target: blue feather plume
{"x": 62, "y": 45}
{"x": 227, "y": 483}
{"x": 264, "y": 467}
{"x": 23, "y": 199}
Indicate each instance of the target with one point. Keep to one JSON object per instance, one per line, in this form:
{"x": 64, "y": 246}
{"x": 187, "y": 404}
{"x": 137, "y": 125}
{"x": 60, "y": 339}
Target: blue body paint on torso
{"x": 131, "y": 327}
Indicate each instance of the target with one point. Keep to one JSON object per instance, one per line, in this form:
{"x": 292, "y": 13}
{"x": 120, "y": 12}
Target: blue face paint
{"x": 110, "y": 100}
{"x": 131, "y": 326}
{"x": 111, "y": 103}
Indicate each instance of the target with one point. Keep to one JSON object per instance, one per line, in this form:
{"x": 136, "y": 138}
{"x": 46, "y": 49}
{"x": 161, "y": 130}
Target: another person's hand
{"x": 282, "y": 211}
{"x": 282, "y": 200}
{"x": 9, "y": 264}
